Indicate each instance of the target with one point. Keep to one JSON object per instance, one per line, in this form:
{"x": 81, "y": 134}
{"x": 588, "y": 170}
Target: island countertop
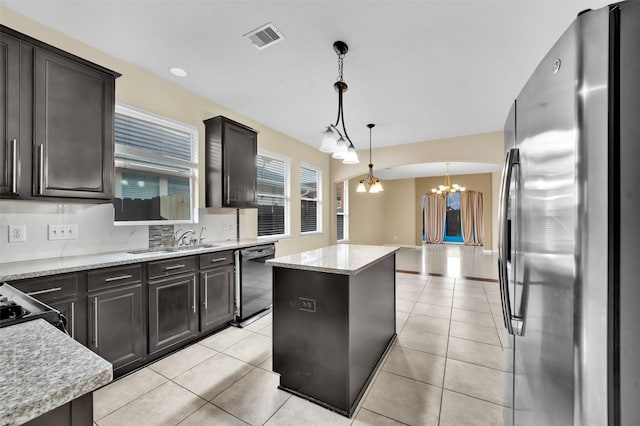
{"x": 346, "y": 259}
{"x": 42, "y": 369}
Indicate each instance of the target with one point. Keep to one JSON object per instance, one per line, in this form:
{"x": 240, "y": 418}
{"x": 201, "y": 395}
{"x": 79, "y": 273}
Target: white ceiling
{"x": 420, "y": 70}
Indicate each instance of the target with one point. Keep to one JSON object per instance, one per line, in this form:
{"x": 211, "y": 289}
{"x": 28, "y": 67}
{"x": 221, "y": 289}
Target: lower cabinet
{"x": 216, "y": 294}
{"x": 68, "y": 308}
{"x": 116, "y": 327}
{"x": 64, "y": 293}
{"x": 136, "y": 313}
{"x": 173, "y": 311}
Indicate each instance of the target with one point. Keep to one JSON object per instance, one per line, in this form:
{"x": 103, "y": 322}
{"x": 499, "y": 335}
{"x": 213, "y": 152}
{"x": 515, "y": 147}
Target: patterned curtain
{"x": 471, "y": 214}
{"x": 467, "y": 216}
{"x": 478, "y": 218}
{"x": 434, "y": 212}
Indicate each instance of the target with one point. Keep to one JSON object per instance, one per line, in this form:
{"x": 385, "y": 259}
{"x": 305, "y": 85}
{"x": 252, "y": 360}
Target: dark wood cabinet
{"x": 230, "y": 164}
{"x": 115, "y": 310}
{"x": 73, "y": 128}
{"x": 57, "y": 132}
{"x": 10, "y": 116}
{"x": 78, "y": 412}
{"x": 136, "y": 313}
{"x": 216, "y": 294}
{"x": 63, "y": 293}
{"x": 173, "y": 311}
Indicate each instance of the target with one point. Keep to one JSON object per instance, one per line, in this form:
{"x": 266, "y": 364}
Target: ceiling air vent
{"x": 265, "y": 36}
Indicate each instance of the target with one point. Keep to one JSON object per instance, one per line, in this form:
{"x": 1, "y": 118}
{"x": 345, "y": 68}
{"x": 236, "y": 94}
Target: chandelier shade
{"x": 336, "y": 142}
{"x": 371, "y": 183}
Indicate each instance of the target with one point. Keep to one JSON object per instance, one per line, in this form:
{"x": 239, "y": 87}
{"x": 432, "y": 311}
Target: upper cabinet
{"x": 230, "y": 163}
{"x": 10, "y": 116}
{"x": 58, "y": 130}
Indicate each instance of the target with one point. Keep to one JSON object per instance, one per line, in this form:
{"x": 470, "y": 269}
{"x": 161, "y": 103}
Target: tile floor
{"x": 446, "y": 368}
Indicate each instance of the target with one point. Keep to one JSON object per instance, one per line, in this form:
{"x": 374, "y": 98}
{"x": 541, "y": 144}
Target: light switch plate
{"x": 17, "y": 233}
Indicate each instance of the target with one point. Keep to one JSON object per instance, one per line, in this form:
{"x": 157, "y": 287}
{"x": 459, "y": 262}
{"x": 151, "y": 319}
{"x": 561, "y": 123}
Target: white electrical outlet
{"x": 17, "y": 233}
{"x": 63, "y": 232}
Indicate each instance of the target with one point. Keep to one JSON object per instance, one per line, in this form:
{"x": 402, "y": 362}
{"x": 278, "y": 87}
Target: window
{"x": 310, "y": 200}
{"x": 452, "y": 224}
{"x": 342, "y": 210}
{"x": 155, "y": 163}
{"x": 273, "y": 195}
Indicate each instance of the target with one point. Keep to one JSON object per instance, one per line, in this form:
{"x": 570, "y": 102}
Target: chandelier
{"x": 335, "y": 142}
{"x": 371, "y": 182}
{"x": 447, "y": 187}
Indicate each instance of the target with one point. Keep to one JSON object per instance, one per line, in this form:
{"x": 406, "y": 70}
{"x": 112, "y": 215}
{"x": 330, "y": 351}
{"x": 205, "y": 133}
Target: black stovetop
{"x": 17, "y": 307}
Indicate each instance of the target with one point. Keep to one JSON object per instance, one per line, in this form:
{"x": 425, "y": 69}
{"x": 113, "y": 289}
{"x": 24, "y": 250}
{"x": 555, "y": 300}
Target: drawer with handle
{"x": 179, "y": 265}
{"x": 113, "y": 277}
{"x": 219, "y": 258}
{"x": 51, "y": 288}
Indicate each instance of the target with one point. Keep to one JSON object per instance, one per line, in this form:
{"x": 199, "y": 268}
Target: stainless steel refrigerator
{"x": 569, "y": 242}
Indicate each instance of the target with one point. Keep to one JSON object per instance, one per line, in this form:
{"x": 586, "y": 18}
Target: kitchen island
{"x": 47, "y": 378}
{"x": 333, "y": 321}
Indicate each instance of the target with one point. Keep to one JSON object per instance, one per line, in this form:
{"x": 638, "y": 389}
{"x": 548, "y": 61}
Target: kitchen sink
{"x": 161, "y": 250}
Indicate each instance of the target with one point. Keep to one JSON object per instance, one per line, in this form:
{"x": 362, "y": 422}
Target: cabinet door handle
{"x": 95, "y": 321}
{"x": 169, "y": 268}
{"x": 118, "y": 278}
{"x": 14, "y": 166}
{"x": 48, "y": 290}
{"x": 219, "y": 259}
{"x": 41, "y": 169}
{"x": 194, "y": 295}
{"x": 73, "y": 320}
{"x": 227, "y": 191}
{"x": 206, "y": 279}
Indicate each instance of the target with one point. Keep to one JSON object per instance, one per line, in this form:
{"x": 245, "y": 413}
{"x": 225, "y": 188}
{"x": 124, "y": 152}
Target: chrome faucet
{"x": 178, "y": 239}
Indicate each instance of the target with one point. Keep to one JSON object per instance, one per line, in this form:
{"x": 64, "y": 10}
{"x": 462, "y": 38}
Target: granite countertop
{"x": 346, "y": 259}
{"x": 43, "y": 368}
{"x": 42, "y": 267}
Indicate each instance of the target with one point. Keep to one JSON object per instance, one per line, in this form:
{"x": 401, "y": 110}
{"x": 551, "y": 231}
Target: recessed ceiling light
{"x": 178, "y": 72}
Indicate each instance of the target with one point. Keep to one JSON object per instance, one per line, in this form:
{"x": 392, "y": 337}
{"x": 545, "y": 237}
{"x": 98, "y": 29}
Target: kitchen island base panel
{"x": 331, "y": 331}
{"x": 78, "y": 412}
{"x": 354, "y": 404}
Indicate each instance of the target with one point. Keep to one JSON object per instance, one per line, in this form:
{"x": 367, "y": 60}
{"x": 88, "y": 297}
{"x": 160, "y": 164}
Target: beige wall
{"x": 395, "y": 215}
{"x": 479, "y": 183}
{"x": 150, "y": 92}
{"x": 383, "y": 218}
{"x": 483, "y": 148}
{"x": 480, "y": 148}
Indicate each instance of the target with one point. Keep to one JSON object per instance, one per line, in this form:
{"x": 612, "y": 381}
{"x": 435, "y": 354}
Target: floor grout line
{"x": 412, "y": 285}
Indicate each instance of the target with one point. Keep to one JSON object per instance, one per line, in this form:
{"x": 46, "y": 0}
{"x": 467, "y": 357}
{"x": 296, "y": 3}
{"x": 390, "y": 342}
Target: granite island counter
{"x": 47, "y": 378}
{"x": 333, "y": 321}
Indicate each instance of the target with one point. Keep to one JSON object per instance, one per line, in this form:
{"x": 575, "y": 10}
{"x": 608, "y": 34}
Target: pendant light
{"x": 371, "y": 183}
{"x": 447, "y": 187}
{"x": 337, "y": 143}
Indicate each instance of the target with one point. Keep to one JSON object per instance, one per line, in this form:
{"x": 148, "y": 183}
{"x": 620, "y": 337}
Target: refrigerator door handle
{"x": 514, "y": 325}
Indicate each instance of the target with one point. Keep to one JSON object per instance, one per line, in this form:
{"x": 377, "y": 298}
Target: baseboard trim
{"x": 463, "y": 277}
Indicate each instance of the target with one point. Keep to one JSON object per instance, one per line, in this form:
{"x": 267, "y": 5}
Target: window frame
{"x": 287, "y": 194}
{"x": 345, "y": 212}
{"x": 318, "y": 199}
{"x": 138, "y": 160}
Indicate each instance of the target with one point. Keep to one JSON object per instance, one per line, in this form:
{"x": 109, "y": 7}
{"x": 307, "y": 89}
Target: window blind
{"x": 153, "y": 137}
{"x": 272, "y": 195}
{"x": 309, "y": 202}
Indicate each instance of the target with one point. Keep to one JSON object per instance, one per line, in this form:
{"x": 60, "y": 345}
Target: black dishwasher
{"x": 253, "y": 283}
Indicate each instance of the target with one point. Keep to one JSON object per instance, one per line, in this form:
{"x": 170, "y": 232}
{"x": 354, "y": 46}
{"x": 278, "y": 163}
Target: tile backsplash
{"x": 97, "y": 232}
{"x": 160, "y": 235}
